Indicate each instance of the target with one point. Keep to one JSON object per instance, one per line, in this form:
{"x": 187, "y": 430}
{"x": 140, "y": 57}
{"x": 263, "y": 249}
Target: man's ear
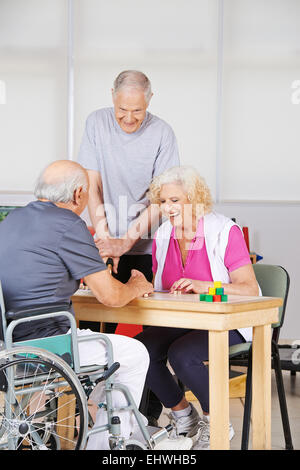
{"x": 149, "y": 100}
{"x": 77, "y": 196}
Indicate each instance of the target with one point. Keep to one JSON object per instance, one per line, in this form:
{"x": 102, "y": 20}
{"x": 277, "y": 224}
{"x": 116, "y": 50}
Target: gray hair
{"x": 133, "y": 79}
{"x": 63, "y": 189}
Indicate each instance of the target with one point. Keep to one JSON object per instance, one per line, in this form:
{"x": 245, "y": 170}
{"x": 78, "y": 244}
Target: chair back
{"x": 274, "y": 281}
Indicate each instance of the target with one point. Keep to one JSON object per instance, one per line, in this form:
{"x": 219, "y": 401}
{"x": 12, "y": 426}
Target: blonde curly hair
{"x": 195, "y": 186}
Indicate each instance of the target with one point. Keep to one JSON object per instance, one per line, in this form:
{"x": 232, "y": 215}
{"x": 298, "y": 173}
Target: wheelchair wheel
{"x": 51, "y": 441}
{"x": 133, "y": 444}
{"x": 42, "y": 403}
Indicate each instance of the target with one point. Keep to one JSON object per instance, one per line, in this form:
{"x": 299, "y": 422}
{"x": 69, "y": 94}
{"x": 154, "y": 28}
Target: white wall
{"x": 225, "y": 87}
{"x": 227, "y": 91}
{"x": 33, "y": 58}
{"x": 260, "y": 139}
{"x": 175, "y": 43}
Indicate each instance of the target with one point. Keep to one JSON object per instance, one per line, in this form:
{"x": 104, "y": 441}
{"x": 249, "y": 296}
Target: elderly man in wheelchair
{"x": 49, "y": 369}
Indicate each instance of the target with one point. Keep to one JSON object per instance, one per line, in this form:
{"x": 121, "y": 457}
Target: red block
{"x": 216, "y": 298}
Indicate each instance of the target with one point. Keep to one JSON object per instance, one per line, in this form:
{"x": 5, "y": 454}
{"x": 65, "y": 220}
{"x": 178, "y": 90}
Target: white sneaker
{"x": 186, "y": 425}
{"x": 179, "y": 443}
{"x": 203, "y": 435}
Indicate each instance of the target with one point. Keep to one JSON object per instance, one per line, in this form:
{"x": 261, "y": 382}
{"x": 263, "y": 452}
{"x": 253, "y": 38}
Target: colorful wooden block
{"x": 220, "y": 291}
{"x": 217, "y": 284}
{"x": 213, "y": 298}
{"x": 211, "y": 291}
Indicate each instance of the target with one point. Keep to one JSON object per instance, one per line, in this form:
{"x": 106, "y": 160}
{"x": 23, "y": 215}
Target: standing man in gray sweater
{"x": 123, "y": 148}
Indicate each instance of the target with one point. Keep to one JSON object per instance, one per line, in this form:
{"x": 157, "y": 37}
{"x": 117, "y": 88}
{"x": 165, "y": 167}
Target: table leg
{"x": 261, "y": 387}
{"x": 219, "y": 390}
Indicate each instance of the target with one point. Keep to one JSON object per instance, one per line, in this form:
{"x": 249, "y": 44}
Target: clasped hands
{"x": 190, "y": 286}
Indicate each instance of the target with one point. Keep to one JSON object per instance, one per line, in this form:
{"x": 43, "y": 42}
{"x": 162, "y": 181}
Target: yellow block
{"x": 211, "y": 291}
{"x": 217, "y": 284}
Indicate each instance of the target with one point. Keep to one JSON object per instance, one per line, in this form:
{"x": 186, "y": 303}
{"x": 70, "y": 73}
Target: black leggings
{"x": 186, "y": 351}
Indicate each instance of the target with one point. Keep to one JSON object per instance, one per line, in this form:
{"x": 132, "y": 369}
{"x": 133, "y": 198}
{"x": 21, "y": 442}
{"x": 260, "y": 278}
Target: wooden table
{"x": 186, "y": 311}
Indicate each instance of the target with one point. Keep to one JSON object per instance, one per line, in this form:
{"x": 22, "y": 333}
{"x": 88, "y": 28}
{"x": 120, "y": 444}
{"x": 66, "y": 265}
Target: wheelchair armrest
{"x": 36, "y": 311}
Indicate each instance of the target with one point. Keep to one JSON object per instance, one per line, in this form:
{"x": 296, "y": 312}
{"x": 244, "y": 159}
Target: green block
{"x": 224, "y": 298}
{"x": 209, "y": 298}
{"x": 220, "y": 291}
{"x": 203, "y": 297}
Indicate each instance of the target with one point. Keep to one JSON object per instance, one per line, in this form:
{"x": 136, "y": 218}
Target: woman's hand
{"x": 242, "y": 282}
{"x": 190, "y": 285}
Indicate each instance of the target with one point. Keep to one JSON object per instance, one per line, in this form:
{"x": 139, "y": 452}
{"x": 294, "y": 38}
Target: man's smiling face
{"x": 130, "y": 107}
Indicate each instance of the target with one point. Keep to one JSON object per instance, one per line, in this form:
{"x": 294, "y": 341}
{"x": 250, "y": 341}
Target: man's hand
{"x": 139, "y": 281}
{"x": 112, "y": 247}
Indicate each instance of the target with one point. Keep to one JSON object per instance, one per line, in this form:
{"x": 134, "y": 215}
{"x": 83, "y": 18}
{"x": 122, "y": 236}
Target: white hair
{"x": 62, "y": 190}
{"x": 193, "y": 184}
{"x": 133, "y": 79}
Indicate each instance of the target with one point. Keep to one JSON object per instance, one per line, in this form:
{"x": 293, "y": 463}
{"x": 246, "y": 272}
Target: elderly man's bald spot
{"x": 62, "y": 170}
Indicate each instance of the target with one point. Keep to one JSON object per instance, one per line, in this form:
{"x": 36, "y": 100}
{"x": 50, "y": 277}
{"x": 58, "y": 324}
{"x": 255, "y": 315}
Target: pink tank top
{"x": 197, "y": 264}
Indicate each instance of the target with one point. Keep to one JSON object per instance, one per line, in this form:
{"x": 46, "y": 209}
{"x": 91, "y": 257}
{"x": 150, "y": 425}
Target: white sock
{"x": 185, "y": 412}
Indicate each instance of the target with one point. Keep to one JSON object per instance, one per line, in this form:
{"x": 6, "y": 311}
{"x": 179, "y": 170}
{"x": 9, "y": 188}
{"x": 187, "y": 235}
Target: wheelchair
{"x": 44, "y": 391}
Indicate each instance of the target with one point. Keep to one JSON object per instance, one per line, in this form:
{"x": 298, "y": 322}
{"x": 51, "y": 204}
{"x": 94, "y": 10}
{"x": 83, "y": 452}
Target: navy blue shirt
{"x": 44, "y": 252}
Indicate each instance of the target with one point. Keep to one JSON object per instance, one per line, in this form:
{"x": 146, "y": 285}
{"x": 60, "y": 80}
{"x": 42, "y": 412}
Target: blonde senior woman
{"x": 194, "y": 247}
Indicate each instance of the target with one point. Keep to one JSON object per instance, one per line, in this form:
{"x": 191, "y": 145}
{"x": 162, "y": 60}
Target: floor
{"x": 292, "y": 388}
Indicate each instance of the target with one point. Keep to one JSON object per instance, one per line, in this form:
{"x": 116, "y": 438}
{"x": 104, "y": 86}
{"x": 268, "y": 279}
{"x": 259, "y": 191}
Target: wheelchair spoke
{"x": 43, "y": 406}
